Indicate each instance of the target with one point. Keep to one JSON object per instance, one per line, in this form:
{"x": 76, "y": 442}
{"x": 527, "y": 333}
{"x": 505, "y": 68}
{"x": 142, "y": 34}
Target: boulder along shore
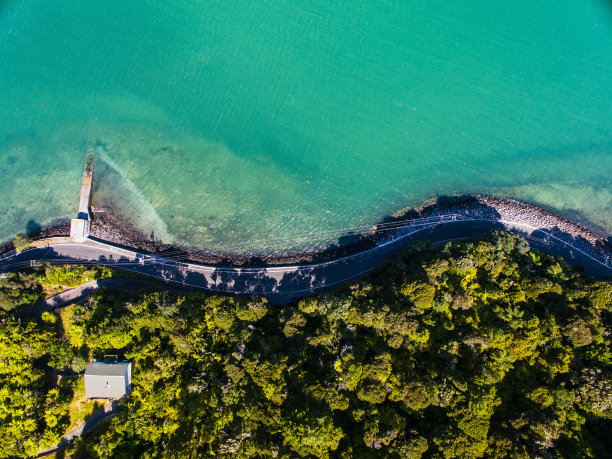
{"x": 110, "y": 227}
{"x": 60, "y": 228}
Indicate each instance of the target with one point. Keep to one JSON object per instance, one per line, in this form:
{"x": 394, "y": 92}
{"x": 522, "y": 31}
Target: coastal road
{"x": 287, "y": 283}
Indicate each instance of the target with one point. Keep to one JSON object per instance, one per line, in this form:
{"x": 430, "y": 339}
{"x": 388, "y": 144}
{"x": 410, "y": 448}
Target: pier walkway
{"x": 79, "y": 227}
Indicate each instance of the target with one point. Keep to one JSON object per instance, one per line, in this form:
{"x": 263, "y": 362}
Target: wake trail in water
{"x": 115, "y": 190}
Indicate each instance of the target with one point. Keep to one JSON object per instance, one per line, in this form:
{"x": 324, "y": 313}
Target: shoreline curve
{"x": 110, "y": 227}
{"x": 438, "y": 223}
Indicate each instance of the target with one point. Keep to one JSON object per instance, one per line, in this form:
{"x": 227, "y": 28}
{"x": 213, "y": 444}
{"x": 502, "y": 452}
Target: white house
{"x": 108, "y": 380}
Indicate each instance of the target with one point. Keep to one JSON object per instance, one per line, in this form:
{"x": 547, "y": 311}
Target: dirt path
{"x": 111, "y": 408}
{"x": 76, "y": 294}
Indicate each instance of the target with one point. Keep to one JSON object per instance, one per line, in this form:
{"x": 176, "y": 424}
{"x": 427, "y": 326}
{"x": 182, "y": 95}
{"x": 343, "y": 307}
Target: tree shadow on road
{"x": 361, "y": 253}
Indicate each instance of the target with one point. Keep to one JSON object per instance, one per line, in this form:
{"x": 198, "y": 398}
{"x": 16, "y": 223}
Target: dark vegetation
{"x": 471, "y": 349}
{"x": 26, "y": 287}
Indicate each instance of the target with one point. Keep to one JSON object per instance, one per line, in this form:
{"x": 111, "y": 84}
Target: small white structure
{"x": 79, "y": 229}
{"x": 108, "y": 380}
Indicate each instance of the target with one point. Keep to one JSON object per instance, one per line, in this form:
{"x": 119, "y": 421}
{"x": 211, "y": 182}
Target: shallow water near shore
{"x": 264, "y": 127}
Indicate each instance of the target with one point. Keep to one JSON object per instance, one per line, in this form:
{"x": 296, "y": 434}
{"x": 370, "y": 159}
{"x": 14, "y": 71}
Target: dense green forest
{"x": 470, "y": 349}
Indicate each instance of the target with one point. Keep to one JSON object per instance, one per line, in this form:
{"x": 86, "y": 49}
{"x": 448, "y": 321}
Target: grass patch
{"x": 56, "y": 279}
{"x": 80, "y": 407}
{"x": 21, "y": 242}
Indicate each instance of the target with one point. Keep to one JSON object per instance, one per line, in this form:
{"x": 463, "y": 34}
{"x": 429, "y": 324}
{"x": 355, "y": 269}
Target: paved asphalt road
{"x": 287, "y": 283}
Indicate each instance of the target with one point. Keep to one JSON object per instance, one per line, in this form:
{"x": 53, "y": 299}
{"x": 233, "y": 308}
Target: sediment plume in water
{"x": 113, "y": 190}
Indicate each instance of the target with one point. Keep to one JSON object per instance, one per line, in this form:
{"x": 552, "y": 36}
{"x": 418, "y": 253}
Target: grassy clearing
{"x": 81, "y": 407}
{"x": 56, "y": 279}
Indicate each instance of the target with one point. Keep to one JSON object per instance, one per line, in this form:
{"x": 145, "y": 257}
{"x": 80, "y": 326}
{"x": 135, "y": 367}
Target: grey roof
{"x": 106, "y": 369}
{"x": 107, "y": 380}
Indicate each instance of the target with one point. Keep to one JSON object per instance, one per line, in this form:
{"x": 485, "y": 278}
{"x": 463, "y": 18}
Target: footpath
{"x": 111, "y": 408}
{"x": 76, "y": 294}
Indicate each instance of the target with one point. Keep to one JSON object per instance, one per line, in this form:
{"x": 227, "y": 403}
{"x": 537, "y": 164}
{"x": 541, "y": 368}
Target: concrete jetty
{"x": 79, "y": 227}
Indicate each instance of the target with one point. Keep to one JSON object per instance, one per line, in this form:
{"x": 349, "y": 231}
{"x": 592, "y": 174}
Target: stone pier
{"x": 79, "y": 227}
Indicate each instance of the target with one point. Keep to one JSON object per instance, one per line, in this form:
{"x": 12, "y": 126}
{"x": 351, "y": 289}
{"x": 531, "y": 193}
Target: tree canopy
{"x": 479, "y": 348}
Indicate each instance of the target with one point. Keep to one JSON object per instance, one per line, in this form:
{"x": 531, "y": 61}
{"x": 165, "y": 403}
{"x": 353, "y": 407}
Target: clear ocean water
{"x": 270, "y": 126}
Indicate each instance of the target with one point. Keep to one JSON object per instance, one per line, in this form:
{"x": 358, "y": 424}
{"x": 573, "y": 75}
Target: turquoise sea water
{"x": 263, "y": 126}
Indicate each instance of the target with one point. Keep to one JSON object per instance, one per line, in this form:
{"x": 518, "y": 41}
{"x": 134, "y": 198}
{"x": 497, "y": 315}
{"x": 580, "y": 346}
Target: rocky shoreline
{"x": 60, "y": 228}
{"x": 110, "y": 227}
{"x": 592, "y": 242}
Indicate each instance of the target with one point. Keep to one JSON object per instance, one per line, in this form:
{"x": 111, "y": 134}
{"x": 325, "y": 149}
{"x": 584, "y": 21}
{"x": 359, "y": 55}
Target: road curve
{"x": 287, "y": 283}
